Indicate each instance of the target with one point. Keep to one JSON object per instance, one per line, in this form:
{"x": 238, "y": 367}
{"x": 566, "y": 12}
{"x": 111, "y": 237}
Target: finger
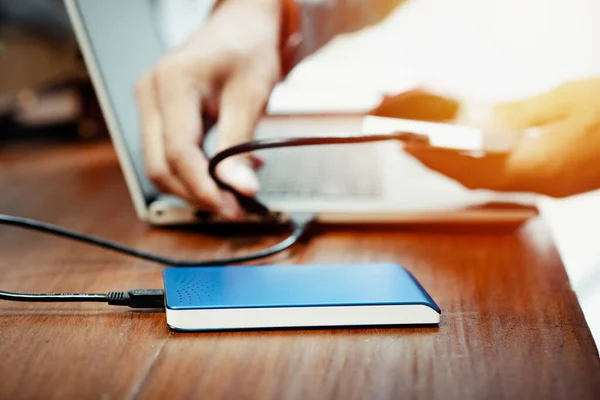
{"x": 472, "y": 171}
{"x": 180, "y": 101}
{"x": 418, "y": 104}
{"x": 152, "y": 139}
{"x": 536, "y": 111}
{"x": 242, "y": 103}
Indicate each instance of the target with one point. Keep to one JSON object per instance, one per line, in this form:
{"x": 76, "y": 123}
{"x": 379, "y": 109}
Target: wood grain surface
{"x": 511, "y": 326}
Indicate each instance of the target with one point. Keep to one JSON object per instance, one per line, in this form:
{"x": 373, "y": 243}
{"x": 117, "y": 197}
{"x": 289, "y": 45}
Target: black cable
{"x": 298, "y": 228}
{"x": 137, "y": 298}
{"x": 298, "y": 222}
{"x": 52, "y": 297}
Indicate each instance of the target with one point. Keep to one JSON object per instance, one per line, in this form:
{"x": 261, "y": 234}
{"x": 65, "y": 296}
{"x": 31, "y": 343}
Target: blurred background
{"x": 44, "y": 89}
{"x": 480, "y": 50}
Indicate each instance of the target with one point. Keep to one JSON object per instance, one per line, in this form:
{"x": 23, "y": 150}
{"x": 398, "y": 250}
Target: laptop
{"x": 356, "y": 183}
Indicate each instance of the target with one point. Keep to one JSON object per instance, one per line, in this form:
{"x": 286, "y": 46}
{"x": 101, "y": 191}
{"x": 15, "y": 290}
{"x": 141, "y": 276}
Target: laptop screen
{"x": 125, "y": 41}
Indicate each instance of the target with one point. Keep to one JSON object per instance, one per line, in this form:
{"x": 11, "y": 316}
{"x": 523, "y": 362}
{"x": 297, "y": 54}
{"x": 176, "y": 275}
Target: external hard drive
{"x": 295, "y": 296}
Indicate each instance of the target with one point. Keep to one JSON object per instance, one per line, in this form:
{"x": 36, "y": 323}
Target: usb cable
{"x": 136, "y": 298}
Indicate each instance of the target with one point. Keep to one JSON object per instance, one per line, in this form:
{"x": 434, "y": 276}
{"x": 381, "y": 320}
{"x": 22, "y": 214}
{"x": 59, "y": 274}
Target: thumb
{"x": 243, "y": 101}
{"x": 539, "y": 110}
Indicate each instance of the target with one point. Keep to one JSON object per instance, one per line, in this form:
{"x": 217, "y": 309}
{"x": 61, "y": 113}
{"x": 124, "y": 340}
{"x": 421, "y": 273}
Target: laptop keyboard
{"x": 327, "y": 172}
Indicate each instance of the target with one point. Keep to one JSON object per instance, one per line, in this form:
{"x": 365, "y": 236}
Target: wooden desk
{"x": 511, "y": 325}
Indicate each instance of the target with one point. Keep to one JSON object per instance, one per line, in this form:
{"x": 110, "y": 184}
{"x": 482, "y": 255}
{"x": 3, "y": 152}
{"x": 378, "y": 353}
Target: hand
{"x": 227, "y": 69}
{"x": 561, "y": 160}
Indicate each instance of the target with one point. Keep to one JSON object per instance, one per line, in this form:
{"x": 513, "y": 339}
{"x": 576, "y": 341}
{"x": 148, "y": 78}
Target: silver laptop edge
{"x": 149, "y": 205}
